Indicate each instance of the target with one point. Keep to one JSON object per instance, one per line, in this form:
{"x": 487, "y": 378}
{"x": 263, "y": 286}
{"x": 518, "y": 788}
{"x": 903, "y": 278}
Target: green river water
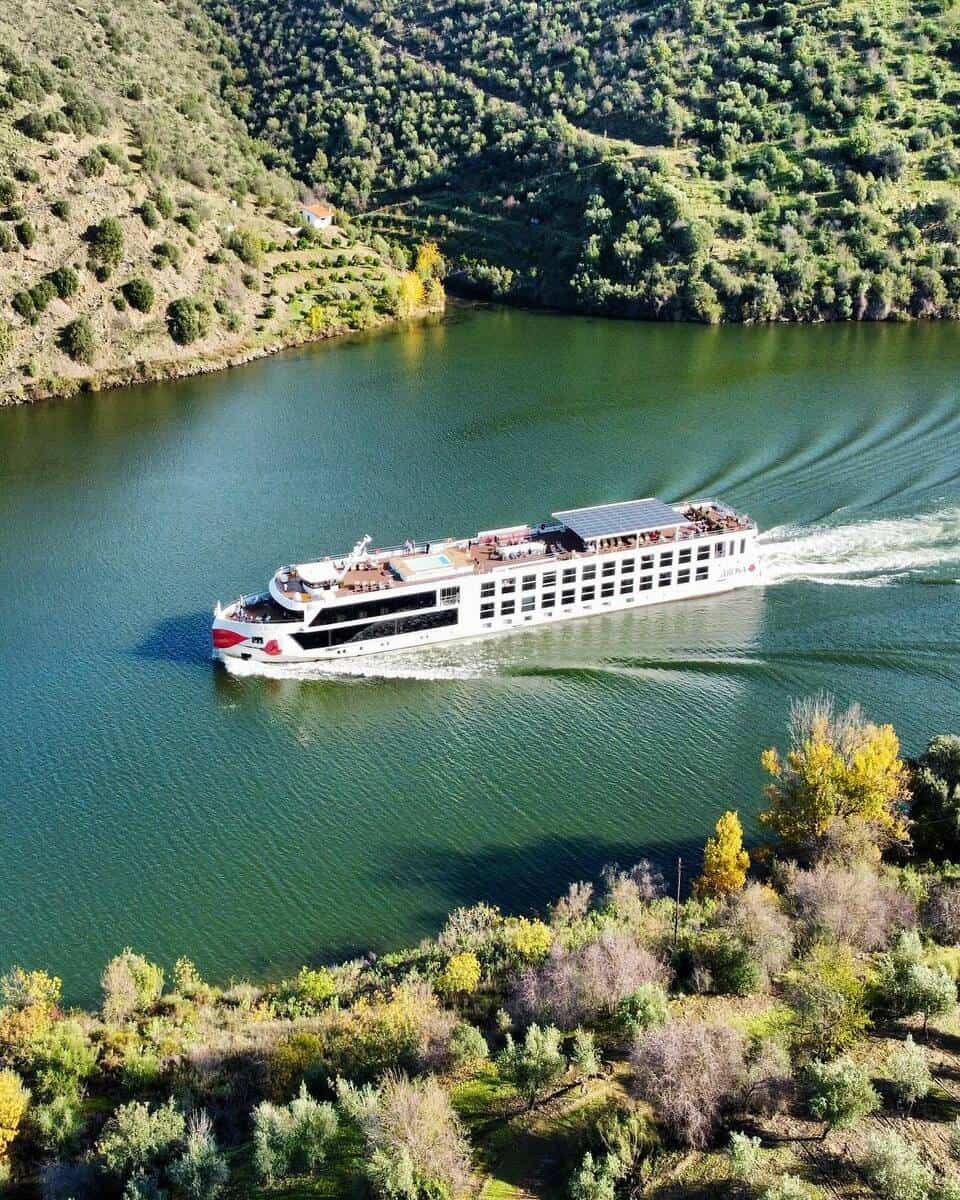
{"x": 255, "y": 823}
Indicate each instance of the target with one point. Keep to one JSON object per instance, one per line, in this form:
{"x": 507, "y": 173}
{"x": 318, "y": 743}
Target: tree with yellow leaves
{"x": 410, "y": 294}
{"x": 842, "y": 784}
{"x": 14, "y": 1099}
{"x": 461, "y": 975}
{"x": 530, "y": 939}
{"x": 725, "y": 862}
{"x": 428, "y": 263}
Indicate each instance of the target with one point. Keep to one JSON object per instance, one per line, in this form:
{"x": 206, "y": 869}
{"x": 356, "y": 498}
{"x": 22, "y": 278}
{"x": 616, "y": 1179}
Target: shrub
{"x": 461, "y": 975}
{"x": 130, "y": 983}
{"x": 756, "y": 917}
{"x": 935, "y": 807}
{"x": 61, "y": 209}
{"x": 23, "y": 305}
{"x": 8, "y": 191}
{"x": 200, "y": 1173}
{"x": 14, "y": 1099}
{"x": 247, "y": 246}
{"x": 63, "y": 1059}
{"x": 7, "y": 339}
{"x": 42, "y": 293}
{"x": 725, "y": 965}
{"x": 468, "y": 1047}
{"x": 573, "y": 986}
{"x": 584, "y": 1058}
{"x": 535, "y": 1065}
{"x": 743, "y": 1155}
{"x": 894, "y": 1168}
{"x": 530, "y": 939}
{"x": 595, "y": 1179}
{"x": 909, "y": 1073}
{"x": 136, "y": 1139}
{"x": 642, "y": 1009}
{"x": 415, "y": 1145}
{"x": 57, "y": 1124}
{"x": 167, "y": 252}
{"x": 906, "y": 985}
{"x": 26, "y": 234}
{"x": 66, "y": 281}
{"x": 79, "y": 341}
{"x": 839, "y": 1093}
{"x": 149, "y": 214}
{"x": 187, "y": 320}
{"x": 942, "y": 913}
{"x": 106, "y": 243}
{"x": 829, "y": 999}
{"x": 6, "y": 239}
{"x": 787, "y": 1187}
{"x": 692, "y": 1073}
{"x": 293, "y": 1138}
{"x": 139, "y": 294}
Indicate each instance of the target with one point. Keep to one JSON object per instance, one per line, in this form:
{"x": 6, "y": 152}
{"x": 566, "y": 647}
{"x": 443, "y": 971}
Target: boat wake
{"x": 877, "y": 552}
{"x": 423, "y": 665}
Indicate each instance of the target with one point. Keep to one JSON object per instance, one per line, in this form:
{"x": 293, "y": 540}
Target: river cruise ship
{"x": 583, "y": 562}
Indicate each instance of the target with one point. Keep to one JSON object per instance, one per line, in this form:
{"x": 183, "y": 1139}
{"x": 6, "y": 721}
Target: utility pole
{"x": 676, "y": 906}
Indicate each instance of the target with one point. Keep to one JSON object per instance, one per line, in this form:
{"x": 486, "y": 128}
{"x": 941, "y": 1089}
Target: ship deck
{"x": 486, "y": 553}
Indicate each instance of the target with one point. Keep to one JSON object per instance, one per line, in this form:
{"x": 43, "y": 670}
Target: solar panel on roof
{"x": 613, "y": 520}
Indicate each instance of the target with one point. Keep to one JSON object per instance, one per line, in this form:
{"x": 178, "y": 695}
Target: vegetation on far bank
{"x": 680, "y": 159}
{"x": 789, "y": 1030}
{"x": 141, "y": 232}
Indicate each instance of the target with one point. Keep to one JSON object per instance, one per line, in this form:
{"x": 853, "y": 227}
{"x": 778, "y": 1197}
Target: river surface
{"x": 255, "y": 823}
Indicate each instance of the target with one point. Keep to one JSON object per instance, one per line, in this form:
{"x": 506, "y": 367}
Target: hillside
{"x": 673, "y": 159}
{"x": 141, "y": 234}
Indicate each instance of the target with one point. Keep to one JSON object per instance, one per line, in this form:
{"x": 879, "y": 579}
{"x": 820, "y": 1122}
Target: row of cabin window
{"x": 607, "y": 589}
{"x": 528, "y": 583}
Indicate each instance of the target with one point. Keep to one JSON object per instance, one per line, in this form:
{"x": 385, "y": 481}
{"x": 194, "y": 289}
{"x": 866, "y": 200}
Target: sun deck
{"x": 581, "y": 533}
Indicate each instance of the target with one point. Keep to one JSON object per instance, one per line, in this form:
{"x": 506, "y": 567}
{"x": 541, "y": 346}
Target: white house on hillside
{"x": 320, "y": 216}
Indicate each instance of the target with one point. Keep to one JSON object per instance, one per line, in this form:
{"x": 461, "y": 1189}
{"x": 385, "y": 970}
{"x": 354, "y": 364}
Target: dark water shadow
{"x": 183, "y": 638}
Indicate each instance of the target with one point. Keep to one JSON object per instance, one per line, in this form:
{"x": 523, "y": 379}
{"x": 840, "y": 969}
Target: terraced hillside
{"x": 688, "y": 159}
{"x": 141, "y": 233}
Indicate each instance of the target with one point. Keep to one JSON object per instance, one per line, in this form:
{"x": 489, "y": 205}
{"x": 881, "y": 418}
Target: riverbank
{"x": 620, "y": 1039}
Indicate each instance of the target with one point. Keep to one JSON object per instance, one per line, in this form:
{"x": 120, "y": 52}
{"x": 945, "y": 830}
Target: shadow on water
{"x": 184, "y": 638}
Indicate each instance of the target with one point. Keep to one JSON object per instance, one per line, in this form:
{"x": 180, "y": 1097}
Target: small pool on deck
{"x": 430, "y": 562}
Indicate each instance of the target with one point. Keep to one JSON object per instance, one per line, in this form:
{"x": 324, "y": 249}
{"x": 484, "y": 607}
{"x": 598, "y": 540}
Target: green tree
{"x": 137, "y": 1138}
{"x": 535, "y": 1065}
{"x": 139, "y": 294}
{"x": 907, "y": 985}
{"x": 105, "y": 242}
{"x": 935, "y": 798}
{"x": 187, "y": 320}
{"x": 79, "y": 341}
{"x": 829, "y": 1001}
{"x": 839, "y": 1093}
{"x": 293, "y": 1138}
{"x": 130, "y": 984}
{"x": 461, "y": 975}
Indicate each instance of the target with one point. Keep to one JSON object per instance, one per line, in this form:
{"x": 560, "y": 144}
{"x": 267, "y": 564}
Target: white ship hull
{"x": 459, "y": 598}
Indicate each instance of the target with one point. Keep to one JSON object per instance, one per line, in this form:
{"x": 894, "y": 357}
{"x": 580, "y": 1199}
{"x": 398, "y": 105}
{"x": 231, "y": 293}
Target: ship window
{"x": 684, "y": 575}
{"x": 550, "y": 579}
{"x": 529, "y": 582}
{"x": 588, "y": 593}
{"x": 548, "y": 599}
{"x": 507, "y": 607}
{"x": 567, "y": 597}
{"x": 626, "y": 586}
{"x": 528, "y": 603}
{"x": 487, "y": 589}
{"x": 569, "y": 574}
{"x": 379, "y": 607}
{"x": 508, "y": 585}
{"x": 450, "y": 595}
{"x": 702, "y": 553}
{"x": 486, "y": 610}
{"x": 684, "y": 555}
{"x": 665, "y": 577}
{"x": 609, "y": 568}
{"x": 606, "y": 589}
{"x": 666, "y": 559}
{"x": 646, "y": 562}
{"x": 646, "y": 583}
{"x": 743, "y": 545}
{"x": 732, "y": 544}
{"x": 590, "y": 571}
{"x": 434, "y": 620}
{"x": 718, "y": 550}
{"x": 626, "y": 567}
{"x": 702, "y": 572}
